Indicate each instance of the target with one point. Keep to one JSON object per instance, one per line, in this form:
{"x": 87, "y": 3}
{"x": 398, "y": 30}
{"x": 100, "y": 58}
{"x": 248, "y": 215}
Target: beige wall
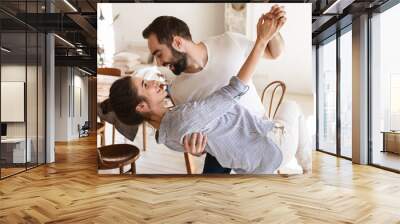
{"x": 204, "y": 20}
{"x": 34, "y": 126}
{"x": 17, "y": 73}
{"x": 69, "y": 84}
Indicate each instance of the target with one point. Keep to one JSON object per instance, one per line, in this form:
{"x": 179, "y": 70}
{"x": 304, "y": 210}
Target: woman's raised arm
{"x": 267, "y": 27}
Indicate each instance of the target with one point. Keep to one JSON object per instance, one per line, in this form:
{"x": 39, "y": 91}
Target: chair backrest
{"x": 269, "y": 95}
{"x": 85, "y": 126}
{"x": 109, "y": 71}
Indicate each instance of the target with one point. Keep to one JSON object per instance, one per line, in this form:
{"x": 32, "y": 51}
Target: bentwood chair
{"x": 117, "y": 156}
{"x": 273, "y": 93}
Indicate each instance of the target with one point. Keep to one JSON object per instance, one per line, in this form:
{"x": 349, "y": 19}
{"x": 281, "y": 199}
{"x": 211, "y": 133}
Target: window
{"x": 385, "y": 89}
{"x": 395, "y": 102}
{"x": 327, "y": 97}
{"x": 346, "y": 94}
{"x": 22, "y": 75}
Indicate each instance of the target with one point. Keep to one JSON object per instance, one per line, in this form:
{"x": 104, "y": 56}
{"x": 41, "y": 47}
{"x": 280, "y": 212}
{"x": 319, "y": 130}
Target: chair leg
{"x": 121, "y": 169}
{"x": 189, "y": 164}
{"x": 133, "y": 168}
{"x": 144, "y": 136}
{"x": 102, "y": 139}
{"x": 113, "y": 134}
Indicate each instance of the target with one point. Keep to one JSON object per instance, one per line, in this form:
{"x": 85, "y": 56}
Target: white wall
{"x": 33, "y": 127}
{"x": 17, "y": 73}
{"x": 80, "y": 82}
{"x": 14, "y": 73}
{"x": 61, "y": 103}
{"x": 294, "y": 65}
{"x": 204, "y": 20}
{"x": 85, "y": 98}
{"x": 66, "y": 120}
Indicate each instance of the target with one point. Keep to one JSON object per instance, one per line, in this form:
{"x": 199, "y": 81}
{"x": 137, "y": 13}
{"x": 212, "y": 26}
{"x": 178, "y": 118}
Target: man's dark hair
{"x": 165, "y": 28}
{"x": 124, "y": 99}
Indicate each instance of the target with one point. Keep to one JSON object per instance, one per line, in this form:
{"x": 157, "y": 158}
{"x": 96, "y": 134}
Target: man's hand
{"x": 195, "y": 143}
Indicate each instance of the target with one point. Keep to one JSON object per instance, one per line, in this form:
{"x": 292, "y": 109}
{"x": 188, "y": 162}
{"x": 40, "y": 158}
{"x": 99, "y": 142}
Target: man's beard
{"x": 180, "y": 63}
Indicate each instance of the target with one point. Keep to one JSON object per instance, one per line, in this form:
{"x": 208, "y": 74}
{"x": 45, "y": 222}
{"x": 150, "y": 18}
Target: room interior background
{"x": 46, "y": 80}
{"x": 22, "y": 107}
{"x": 71, "y": 111}
{"x": 120, "y": 34}
{"x": 358, "y": 86}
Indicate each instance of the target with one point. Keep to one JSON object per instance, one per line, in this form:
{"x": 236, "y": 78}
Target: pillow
{"x": 140, "y": 48}
{"x": 126, "y": 67}
{"x": 126, "y": 57}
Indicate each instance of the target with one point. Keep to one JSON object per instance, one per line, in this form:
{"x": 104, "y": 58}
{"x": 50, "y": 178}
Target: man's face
{"x": 151, "y": 90}
{"x": 167, "y": 56}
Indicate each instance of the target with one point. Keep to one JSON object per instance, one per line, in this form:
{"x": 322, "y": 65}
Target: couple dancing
{"x": 237, "y": 138}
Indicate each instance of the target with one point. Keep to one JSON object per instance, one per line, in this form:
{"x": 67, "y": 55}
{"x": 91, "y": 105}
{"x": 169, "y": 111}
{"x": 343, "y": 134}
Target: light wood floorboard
{"x": 71, "y": 191}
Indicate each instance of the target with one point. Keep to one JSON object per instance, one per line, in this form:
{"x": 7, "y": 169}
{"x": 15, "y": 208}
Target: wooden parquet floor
{"x": 70, "y": 191}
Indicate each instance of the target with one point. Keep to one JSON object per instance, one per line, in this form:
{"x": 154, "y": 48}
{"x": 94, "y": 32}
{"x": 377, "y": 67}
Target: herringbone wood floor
{"x": 70, "y": 191}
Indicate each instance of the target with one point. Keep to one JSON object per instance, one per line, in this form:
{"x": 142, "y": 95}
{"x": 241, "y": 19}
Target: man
{"x": 204, "y": 67}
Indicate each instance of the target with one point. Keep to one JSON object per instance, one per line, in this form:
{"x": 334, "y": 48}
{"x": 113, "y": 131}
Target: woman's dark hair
{"x": 124, "y": 99}
{"x": 165, "y": 28}
{"x": 105, "y": 106}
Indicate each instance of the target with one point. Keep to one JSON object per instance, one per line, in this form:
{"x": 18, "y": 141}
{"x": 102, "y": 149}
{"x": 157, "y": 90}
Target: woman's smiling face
{"x": 151, "y": 90}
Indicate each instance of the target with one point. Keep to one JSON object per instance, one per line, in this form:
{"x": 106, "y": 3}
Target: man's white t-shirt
{"x": 226, "y": 54}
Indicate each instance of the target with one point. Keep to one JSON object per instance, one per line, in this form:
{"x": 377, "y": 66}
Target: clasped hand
{"x": 270, "y": 23}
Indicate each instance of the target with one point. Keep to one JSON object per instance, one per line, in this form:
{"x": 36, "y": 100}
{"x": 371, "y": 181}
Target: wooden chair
{"x": 109, "y": 71}
{"x": 269, "y": 93}
{"x": 188, "y": 159}
{"x": 100, "y": 131}
{"x": 117, "y": 156}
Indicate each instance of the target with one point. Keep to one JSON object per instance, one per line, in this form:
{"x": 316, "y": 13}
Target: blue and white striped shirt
{"x": 236, "y": 138}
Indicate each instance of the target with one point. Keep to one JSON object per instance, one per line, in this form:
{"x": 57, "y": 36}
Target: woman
{"x": 236, "y": 138}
